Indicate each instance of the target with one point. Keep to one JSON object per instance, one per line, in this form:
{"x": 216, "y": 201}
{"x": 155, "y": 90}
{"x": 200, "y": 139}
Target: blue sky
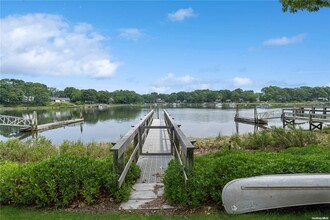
{"x": 164, "y": 46}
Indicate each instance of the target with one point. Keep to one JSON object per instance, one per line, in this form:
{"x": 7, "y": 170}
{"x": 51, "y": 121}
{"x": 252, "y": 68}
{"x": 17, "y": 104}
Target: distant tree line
{"x": 15, "y": 91}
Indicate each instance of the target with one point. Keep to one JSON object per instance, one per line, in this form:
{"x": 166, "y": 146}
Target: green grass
{"x": 24, "y": 213}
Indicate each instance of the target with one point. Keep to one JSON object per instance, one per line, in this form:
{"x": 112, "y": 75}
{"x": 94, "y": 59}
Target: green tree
{"x": 74, "y": 94}
{"x": 310, "y": 5}
{"x": 89, "y": 95}
{"x": 103, "y": 96}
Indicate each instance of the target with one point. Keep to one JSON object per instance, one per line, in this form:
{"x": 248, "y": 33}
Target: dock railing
{"x": 315, "y": 117}
{"x": 182, "y": 147}
{"x": 136, "y": 135}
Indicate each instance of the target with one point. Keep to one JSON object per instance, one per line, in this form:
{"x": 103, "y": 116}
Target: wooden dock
{"x": 316, "y": 117}
{"x": 52, "y": 125}
{"x": 156, "y": 154}
{"x": 156, "y": 142}
{"x": 253, "y": 121}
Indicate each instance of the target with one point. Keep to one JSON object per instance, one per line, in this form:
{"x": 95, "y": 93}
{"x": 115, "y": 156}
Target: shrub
{"x": 213, "y": 171}
{"x": 60, "y": 181}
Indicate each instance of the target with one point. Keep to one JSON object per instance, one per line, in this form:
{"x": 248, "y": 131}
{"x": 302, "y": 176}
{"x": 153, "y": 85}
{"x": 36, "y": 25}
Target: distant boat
{"x": 275, "y": 191}
{"x": 218, "y": 105}
{"x": 264, "y": 105}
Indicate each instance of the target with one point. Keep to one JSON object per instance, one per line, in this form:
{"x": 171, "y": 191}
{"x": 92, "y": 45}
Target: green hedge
{"x": 212, "y": 172}
{"x": 61, "y": 181}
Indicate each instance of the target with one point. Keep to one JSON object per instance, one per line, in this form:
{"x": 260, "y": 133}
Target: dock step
{"x": 146, "y": 196}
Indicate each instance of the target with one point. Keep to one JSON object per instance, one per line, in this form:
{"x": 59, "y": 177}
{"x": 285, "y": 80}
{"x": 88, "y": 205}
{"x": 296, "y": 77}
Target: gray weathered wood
{"x": 186, "y": 146}
{"x": 120, "y": 147}
{"x": 124, "y": 173}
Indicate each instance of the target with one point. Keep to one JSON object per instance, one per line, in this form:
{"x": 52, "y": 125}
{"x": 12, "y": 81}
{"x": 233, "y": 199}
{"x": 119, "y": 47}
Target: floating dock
{"x": 51, "y": 125}
{"x": 252, "y": 121}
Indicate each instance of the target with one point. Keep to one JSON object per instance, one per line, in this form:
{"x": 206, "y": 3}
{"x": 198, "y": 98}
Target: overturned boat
{"x": 275, "y": 191}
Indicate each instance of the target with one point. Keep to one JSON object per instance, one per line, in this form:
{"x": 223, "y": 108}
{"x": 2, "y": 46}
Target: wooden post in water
{"x": 34, "y": 126}
{"x": 255, "y": 115}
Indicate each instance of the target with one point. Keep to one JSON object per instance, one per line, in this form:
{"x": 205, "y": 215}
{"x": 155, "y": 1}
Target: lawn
{"x": 25, "y": 213}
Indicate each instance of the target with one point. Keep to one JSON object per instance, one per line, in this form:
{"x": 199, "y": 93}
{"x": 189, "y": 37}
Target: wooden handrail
{"x": 137, "y": 135}
{"x": 180, "y": 139}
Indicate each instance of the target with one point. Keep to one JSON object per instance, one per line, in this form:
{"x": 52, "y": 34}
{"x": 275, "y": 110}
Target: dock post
{"x": 237, "y": 112}
{"x": 34, "y": 121}
{"x": 190, "y": 159}
{"x": 135, "y": 143}
{"x": 255, "y": 115}
{"x": 140, "y": 140}
{"x": 118, "y": 162}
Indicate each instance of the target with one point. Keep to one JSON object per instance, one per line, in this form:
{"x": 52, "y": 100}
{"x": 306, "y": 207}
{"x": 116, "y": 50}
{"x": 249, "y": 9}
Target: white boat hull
{"x": 275, "y": 191}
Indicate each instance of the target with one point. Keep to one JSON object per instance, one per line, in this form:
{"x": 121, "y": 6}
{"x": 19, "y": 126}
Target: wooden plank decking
{"x": 156, "y": 154}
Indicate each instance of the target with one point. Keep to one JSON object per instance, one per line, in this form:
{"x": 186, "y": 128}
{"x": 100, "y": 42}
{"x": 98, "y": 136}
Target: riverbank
{"x": 61, "y": 106}
{"x": 97, "y": 105}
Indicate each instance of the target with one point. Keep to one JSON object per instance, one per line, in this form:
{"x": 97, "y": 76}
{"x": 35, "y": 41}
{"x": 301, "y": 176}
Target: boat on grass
{"x": 275, "y": 191}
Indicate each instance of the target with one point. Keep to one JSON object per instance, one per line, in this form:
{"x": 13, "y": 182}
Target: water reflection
{"x": 109, "y": 124}
{"x": 106, "y": 124}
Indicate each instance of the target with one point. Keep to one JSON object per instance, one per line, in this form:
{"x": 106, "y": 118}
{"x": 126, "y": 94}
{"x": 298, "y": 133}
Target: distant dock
{"x": 254, "y": 121}
{"x": 52, "y": 125}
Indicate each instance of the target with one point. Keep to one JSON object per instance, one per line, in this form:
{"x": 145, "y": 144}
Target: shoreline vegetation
{"x": 16, "y": 92}
{"x": 85, "y": 182}
{"x": 211, "y": 105}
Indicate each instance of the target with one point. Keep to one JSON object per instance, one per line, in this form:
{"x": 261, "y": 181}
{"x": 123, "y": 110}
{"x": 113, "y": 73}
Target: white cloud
{"x": 172, "y": 83}
{"x": 285, "y": 40}
{"x": 130, "y": 33}
{"x": 242, "y": 81}
{"x": 162, "y": 90}
{"x": 171, "y": 80}
{"x": 181, "y": 14}
{"x": 47, "y": 45}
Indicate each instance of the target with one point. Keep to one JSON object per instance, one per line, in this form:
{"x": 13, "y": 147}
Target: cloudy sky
{"x": 163, "y": 46}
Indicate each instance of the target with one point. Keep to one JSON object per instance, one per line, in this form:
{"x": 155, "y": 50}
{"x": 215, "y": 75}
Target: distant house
{"x": 58, "y": 100}
{"x": 322, "y": 99}
{"x": 28, "y": 98}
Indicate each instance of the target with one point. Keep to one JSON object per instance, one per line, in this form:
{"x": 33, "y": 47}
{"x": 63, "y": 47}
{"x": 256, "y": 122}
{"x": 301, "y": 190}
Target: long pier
{"x": 154, "y": 142}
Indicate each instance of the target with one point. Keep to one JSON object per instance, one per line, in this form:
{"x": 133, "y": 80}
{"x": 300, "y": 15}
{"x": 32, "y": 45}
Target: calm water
{"x": 110, "y": 124}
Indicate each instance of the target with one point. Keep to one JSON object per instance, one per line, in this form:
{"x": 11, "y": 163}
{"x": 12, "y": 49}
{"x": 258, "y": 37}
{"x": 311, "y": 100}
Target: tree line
{"x": 15, "y": 91}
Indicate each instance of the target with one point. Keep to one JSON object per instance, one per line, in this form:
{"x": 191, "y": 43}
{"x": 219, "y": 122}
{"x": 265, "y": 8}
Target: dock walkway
{"x": 153, "y": 161}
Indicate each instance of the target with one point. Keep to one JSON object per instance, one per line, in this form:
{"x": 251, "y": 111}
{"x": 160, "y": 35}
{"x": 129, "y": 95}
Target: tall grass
{"x": 41, "y": 148}
{"x": 277, "y": 138}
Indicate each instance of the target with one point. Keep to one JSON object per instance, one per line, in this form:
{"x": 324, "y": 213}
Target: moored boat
{"x": 275, "y": 191}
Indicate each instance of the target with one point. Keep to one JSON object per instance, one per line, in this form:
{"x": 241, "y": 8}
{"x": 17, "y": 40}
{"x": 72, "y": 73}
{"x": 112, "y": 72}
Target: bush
{"x": 60, "y": 181}
{"x": 213, "y": 171}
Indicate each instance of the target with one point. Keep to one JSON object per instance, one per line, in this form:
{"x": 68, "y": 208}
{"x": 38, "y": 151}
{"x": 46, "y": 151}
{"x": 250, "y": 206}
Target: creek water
{"x": 109, "y": 124}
